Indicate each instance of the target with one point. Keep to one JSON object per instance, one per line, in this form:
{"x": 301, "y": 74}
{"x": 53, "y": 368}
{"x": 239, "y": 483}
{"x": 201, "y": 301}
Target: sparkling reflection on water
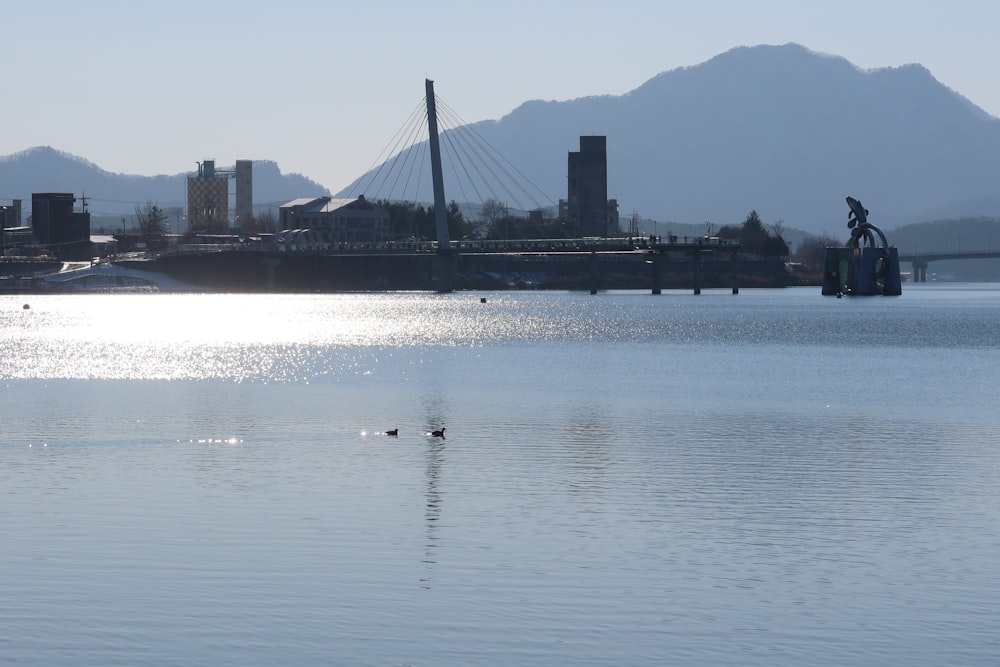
{"x": 767, "y": 478}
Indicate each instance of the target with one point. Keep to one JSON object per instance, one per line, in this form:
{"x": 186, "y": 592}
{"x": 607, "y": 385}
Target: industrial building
{"x": 587, "y": 207}
{"x": 350, "y": 220}
{"x": 208, "y": 197}
{"x": 59, "y": 228}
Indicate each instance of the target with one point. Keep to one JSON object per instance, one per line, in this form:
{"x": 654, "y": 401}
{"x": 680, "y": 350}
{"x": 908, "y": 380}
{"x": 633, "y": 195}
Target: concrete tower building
{"x": 587, "y": 187}
{"x": 244, "y": 192}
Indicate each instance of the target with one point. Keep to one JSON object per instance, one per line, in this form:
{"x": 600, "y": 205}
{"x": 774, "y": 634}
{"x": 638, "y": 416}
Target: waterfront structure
{"x": 330, "y": 220}
{"x": 59, "y": 228}
{"x": 587, "y": 207}
{"x": 104, "y": 245}
{"x": 862, "y": 267}
{"x": 17, "y": 240}
{"x": 10, "y": 220}
{"x": 10, "y": 214}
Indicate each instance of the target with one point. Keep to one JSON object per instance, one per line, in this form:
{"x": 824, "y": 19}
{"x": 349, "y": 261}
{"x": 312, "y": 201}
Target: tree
{"x": 754, "y": 239}
{"x": 753, "y": 235}
{"x": 730, "y": 233}
{"x": 153, "y": 225}
{"x": 778, "y": 228}
{"x": 811, "y": 251}
{"x": 408, "y": 219}
{"x": 458, "y": 226}
{"x": 774, "y": 246}
{"x": 493, "y": 213}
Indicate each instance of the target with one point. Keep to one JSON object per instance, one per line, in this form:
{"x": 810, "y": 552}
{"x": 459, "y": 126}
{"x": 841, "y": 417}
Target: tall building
{"x": 208, "y": 200}
{"x": 208, "y": 197}
{"x": 65, "y": 232}
{"x": 587, "y": 188}
{"x": 244, "y": 192}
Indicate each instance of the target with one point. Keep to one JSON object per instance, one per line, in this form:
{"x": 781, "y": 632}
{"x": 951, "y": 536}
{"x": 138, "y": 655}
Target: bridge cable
{"x": 497, "y": 157}
{"x": 393, "y": 145}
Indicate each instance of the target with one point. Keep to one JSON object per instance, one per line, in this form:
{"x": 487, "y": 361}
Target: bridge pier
{"x": 270, "y": 267}
{"x": 736, "y": 273}
{"x": 593, "y": 273}
{"x": 443, "y": 272}
{"x": 656, "y": 261}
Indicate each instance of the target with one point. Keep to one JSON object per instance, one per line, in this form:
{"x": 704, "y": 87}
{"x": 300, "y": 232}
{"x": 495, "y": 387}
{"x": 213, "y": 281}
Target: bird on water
{"x": 438, "y": 434}
{"x": 394, "y": 431}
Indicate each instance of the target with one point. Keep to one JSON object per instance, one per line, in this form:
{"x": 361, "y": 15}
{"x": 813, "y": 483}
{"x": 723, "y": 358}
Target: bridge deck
{"x": 520, "y": 247}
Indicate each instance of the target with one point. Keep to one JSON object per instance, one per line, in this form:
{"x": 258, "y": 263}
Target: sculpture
{"x": 862, "y": 267}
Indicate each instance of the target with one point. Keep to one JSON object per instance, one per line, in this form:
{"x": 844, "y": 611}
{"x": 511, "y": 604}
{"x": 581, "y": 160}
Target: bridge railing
{"x": 577, "y": 245}
{"x": 499, "y": 246}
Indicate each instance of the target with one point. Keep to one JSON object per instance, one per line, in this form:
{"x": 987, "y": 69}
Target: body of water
{"x": 769, "y": 478}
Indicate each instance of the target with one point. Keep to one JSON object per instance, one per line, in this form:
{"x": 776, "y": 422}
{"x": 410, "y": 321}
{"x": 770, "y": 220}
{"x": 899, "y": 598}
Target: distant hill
{"x": 777, "y": 129}
{"x": 44, "y": 169}
{"x": 781, "y": 130}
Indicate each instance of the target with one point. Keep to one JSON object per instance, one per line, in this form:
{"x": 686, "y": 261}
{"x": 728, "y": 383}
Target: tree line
{"x": 495, "y": 222}
{"x": 754, "y": 238}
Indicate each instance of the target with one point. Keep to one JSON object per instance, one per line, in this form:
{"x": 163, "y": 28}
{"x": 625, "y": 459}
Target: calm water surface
{"x": 768, "y": 478}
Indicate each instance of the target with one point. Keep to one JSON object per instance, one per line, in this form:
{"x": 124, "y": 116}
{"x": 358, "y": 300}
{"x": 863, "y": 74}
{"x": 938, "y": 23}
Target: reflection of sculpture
{"x": 862, "y": 267}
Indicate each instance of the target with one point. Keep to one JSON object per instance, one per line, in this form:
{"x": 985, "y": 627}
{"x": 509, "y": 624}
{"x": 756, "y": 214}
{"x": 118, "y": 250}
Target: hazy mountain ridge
{"x": 778, "y": 129}
{"x": 45, "y": 169}
{"x": 781, "y": 130}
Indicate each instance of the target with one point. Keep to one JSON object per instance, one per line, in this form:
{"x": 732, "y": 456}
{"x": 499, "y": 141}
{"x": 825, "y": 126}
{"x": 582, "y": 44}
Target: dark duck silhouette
{"x": 394, "y": 431}
{"x": 438, "y": 434}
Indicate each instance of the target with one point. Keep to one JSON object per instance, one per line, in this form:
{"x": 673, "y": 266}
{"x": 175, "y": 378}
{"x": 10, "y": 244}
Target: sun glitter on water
{"x": 217, "y": 441}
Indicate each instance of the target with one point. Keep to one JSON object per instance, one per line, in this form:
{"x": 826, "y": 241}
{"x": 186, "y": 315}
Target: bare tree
{"x": 153, "y": 225}
{"x": 778, "y": 228}
{"x": 812, "y": 250}
{"x": 493, "y": 214}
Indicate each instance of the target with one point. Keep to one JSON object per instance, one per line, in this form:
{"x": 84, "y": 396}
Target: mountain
{"x": 44, "y": 169}
{"x": 781, "y": 130}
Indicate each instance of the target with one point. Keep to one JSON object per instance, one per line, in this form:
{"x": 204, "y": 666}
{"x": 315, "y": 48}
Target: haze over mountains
{"x": 45, "y": 169}
{"x": 777, "y": 129}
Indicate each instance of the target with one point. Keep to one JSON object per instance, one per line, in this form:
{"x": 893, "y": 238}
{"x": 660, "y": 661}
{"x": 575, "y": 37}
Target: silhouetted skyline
{"x": 152, "y": 88}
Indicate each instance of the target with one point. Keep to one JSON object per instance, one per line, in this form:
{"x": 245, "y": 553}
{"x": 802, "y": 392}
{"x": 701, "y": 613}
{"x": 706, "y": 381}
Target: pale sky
{"x": 322, "y": 87}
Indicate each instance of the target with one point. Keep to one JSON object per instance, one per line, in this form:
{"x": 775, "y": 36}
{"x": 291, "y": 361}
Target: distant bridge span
{"x": 920, "y": 261}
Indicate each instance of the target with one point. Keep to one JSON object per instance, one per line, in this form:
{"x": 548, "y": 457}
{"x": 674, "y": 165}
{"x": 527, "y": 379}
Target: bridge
{"x": 282, "y": 263}
{"x": 452, "y": 256}
{"x": 920, "y": 261}
{"x": 687, "y": 244}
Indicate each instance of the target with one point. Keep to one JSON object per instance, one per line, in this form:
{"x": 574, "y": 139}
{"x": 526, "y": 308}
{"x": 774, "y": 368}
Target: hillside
{"x": 779, "y": 129}
{"x": 44, "y": 169}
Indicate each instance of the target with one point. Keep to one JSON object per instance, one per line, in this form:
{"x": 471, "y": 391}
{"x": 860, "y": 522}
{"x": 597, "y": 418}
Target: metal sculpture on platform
{"x": 862, "y": 267}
